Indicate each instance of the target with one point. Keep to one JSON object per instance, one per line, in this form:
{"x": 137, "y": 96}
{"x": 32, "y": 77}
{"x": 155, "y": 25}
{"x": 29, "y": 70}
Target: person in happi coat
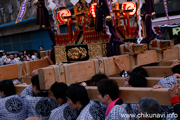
{"x": 63, "y": 112}
{"x": 78, "y": 99}
{"x": 108, "y": 94}
{"x": 11, "y": 105}
{"x": 37, "y": 101}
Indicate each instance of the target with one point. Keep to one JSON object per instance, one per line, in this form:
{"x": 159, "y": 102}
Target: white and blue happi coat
{"x": 63, "y": 112}
{"x": 12, "y": 108}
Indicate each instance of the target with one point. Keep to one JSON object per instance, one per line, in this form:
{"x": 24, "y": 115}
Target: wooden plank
{"x": 38, "y": 64}
{"x": 171, "y": 54}
{"x": 11, "y": 71}
{"x": 168, "y": 63}
{"x": 20, "y": 88}
{"x": 47, "y": 77}
{"x": 128, "y": 94}
{"x": 26, "y": 79}
{"x": 158, "y": 71}
{"x": 120, "y": 80}
{"x": 148, "y": 57}
{"x": 133, "y": 95}
{"x": 151, "y": 81}
{"x": 124, "y": 61}
{"x": 8, "y": 72}
{"x": 80, "y": 71}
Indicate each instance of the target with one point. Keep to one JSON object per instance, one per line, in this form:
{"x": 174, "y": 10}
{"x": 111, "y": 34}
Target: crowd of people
{"x": 72, "y": 102}
{"x": 15, "y": 57}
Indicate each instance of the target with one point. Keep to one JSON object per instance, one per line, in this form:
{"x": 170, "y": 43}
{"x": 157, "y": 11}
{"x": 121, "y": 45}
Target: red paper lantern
{"x": 93, "y": 9}
{"x": 61, "y": 13}
{"x": 128, "y": 6}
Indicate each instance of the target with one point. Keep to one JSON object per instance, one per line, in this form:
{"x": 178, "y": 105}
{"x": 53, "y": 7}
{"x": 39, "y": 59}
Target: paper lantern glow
{"x": 128, "y": 6}
{"x": 61, "y": 13}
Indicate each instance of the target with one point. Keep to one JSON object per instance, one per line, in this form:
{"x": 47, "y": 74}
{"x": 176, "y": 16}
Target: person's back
{"x": 11, "y": 105}
{"x": 78, "y": 99}
{"x": 40, "y": 106}
{"x": 63, "y": 112}
{"x": 37, "y": 101}
{"x": 92, "y": 111}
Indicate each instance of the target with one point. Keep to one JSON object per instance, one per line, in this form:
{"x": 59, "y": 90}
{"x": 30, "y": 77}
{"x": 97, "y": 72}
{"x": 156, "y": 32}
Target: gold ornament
{"x": 76, "y": 53}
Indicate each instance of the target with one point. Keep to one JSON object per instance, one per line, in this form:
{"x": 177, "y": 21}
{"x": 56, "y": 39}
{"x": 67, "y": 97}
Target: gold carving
{"x": 104, "y": 49}
{"x": 94, "y": 50}
{"x": 76, "y": 53}
{"x": 60, "y": 53}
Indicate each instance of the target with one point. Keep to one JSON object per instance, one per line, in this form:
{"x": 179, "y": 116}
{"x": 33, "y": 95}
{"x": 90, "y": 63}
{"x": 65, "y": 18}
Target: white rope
{"x": 67, "y": 73}
{"x": 58, "y": 70}
{"x": 96, "y": 64}
{"x": 20, "y": 70}
{"x": 27, "y": 68}
{"x": 106, "y": 67}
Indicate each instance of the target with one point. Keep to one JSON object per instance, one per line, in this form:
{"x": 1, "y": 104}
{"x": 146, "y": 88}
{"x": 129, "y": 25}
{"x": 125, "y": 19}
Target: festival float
{"x": 102, "y": 28}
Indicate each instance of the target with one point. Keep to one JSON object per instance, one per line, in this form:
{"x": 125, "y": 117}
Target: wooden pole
{"x": 133, "y": 95}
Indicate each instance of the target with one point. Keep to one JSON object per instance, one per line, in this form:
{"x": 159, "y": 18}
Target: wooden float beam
{"x": 133, "y": 95}
{"x": 151, "y": 81}
{"x": 172, "y": 54}
{"x": 83, "y": 71}
{"x": 20, "y": 88}
{"x": 13, "y": 69}
{"x": 148, "y": 57}
{"x": 158, "y": 71}
{"x": 127, "y": 94}
{"x": 80, "y": 71}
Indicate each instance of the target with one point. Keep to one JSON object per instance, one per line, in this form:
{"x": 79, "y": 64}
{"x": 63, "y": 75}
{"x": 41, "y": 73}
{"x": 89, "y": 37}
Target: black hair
{"x": 35, "y": 81}
{"x": 35, "y": 52}
{"x": 96, "y": 78}
{"x": 150, "y": 106}
{"x": 137, "y": 80}
{"x": 28, "y": 53}
{"x": 110, "y": 87}
{"x": 7, "y": 87}
{"x": 140, "y": 70}
{"x": 176, "y": 69}
{"x": 41, "y": 46}
{"x": 77, "y": 92}
{"x": 59, "y": 89}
